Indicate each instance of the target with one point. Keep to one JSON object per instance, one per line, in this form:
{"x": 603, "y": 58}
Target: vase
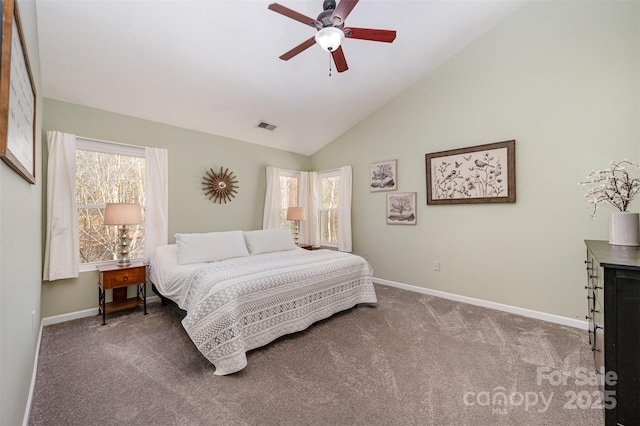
{"x": 623, "y": 228}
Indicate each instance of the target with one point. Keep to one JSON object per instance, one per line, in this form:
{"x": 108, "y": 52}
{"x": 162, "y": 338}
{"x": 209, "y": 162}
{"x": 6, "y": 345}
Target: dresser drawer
{"x": 122, "y": 278}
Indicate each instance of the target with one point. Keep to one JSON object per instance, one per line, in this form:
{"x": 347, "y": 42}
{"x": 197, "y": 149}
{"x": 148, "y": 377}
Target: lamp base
{"x": 296, "y": 231}
{"x": 124, "y": 262}
{"x": 124, "y": 247}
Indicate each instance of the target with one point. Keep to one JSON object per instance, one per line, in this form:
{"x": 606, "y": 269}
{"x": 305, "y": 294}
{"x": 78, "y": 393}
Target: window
{"x": 329, "y": 183}
{"x": 107, "y": 173}
{"x": 288, "y": 196}
{"x": 326, "y": 192}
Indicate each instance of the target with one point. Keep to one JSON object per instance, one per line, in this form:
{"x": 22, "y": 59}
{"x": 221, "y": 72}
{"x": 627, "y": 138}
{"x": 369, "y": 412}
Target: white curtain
{"x": 308, "y": 198}
{"x": 61, "y": 251}
{"x": 344, "y": 210}
{"x": 271, "y": 218}
{"x": 157, "y": 200}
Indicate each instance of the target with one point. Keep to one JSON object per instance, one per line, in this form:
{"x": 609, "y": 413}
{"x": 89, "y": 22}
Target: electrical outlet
{"x": 366, "y": 255}
{"x": 436, "y": 265}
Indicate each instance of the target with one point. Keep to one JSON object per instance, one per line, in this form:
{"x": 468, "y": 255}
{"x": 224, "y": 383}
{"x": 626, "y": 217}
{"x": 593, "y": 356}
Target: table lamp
{"x": 123, "y": 214}
{"x": 296, "y": 214}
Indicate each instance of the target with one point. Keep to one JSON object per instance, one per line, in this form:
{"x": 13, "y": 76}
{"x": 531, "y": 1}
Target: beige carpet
{"x": 411, "y": 360}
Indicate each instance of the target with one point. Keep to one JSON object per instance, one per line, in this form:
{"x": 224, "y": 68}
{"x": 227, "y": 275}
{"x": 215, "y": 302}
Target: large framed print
{"x": 17, "y": 97}
{"x": 478, "y": 174}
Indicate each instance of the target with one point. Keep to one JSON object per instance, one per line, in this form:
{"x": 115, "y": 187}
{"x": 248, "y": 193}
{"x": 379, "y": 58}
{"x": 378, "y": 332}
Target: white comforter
{"x": 240, "y": 304}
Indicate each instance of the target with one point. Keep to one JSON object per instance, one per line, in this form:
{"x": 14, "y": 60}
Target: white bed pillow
{"x": 269, "y": 240}
{"x": 210, "y": 246}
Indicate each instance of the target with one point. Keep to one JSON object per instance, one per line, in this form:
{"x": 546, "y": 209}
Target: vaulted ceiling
{"x": 213, "y": 66}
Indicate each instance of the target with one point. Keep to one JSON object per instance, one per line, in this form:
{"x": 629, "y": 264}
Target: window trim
{"x": 85, "y": 144}
{"x": 106, "y": 147}
{"x": 88, "y": 267}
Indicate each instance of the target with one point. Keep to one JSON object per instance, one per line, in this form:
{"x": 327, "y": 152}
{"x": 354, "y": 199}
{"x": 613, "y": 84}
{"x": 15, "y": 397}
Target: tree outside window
{"x": 288, "y": 198}
{"x": 102, "y": 178}
{"x": 329, "y": 187}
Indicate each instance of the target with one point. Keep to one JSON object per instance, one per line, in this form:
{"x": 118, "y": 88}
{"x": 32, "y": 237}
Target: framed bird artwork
{"x": 478, "y": 174}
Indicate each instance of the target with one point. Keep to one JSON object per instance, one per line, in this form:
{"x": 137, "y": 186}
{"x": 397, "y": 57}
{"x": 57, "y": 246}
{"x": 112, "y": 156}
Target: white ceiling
{"x": 212, "y": 65}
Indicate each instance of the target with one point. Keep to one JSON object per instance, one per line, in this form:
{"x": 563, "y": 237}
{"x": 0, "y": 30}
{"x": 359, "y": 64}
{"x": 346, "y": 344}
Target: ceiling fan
{"x": 331, "y": 30}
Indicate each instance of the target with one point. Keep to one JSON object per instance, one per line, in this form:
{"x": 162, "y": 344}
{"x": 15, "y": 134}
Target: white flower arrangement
{"x": 613, "y": 186}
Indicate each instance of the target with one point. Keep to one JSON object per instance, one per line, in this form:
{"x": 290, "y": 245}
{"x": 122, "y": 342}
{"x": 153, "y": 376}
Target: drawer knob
{"x": 125, "y": 278}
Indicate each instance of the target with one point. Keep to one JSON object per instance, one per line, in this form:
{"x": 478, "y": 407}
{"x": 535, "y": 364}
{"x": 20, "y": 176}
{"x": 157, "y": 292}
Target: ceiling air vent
{"x": 267, "y": 126}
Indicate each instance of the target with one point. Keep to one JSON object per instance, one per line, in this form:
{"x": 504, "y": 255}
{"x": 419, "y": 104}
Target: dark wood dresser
{"x": 614, "y": 327}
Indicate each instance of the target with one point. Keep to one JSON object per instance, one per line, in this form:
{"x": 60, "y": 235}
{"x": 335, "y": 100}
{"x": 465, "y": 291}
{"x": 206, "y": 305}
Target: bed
{"x": 241, "y": 290}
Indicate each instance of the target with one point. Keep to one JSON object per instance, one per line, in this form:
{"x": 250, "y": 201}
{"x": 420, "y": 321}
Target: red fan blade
{"x": 339, "y": 60}
{"x": 299, "y": 48}
{"x": 343, "y": 10}
{"x": 295, "y": 15}
{"x": 386, "y": 36}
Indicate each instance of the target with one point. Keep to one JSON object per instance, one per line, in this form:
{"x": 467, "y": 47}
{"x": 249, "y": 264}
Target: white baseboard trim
{"x": 82, "y": 314}
{"x": 557, "y": 319}
{"x": 570, "y": 322}
{"x": 27, "y": 410}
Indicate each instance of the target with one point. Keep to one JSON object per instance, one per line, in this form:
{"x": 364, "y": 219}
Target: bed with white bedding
{"x": 237, "y": 304}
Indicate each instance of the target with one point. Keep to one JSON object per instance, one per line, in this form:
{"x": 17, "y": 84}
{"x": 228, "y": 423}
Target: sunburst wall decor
{"x": 220, "y": 186}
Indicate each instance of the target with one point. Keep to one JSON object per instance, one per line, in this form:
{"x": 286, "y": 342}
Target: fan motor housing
{"x": 325, "y": 17}
{"x": 329, "y": 5}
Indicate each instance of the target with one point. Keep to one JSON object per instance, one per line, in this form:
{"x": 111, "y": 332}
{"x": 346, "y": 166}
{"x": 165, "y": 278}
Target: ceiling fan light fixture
{"x": 330, "y": 38}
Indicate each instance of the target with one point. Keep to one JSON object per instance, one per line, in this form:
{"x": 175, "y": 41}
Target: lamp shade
{"x": 296, "y": 213}
{"x": 329, "y": 38}
{"x": 122, "y": 214}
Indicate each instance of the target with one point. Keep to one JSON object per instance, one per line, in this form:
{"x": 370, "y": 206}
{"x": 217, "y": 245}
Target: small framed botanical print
{"x": 383, "y": 176}
{"x": 401, "y": 208}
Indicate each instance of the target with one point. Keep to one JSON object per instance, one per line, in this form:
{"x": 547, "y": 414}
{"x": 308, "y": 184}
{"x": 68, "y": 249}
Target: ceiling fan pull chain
{"x": 329, "y": 64}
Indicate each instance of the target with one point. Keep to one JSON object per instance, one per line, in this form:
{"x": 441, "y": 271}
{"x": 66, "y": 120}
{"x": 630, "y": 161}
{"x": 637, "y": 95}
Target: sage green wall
{"x": 563, "y": 79}
{"x": 191, "y": 154}
{"x": 20, "y": 259}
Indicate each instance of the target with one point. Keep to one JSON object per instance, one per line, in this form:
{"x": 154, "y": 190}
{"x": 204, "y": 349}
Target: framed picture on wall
{"x": 401, "y": 208}
{"x": 383, "y": 176}
{"x": 479, "y": 174}
{"x": 17, "y": 97}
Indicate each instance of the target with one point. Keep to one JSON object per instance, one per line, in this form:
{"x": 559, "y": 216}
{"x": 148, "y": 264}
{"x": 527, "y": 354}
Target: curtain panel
{"x": 61, "y": 250}
{"x": 157, "y": 200}
{"x": 344, "y": 210}
{"x": 309, "y": 199}
{"x": 271, "y": 215}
